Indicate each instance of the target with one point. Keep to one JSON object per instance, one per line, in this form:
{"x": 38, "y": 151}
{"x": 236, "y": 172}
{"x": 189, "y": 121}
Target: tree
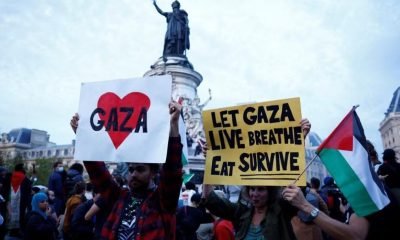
{"x": 42, "y": 169}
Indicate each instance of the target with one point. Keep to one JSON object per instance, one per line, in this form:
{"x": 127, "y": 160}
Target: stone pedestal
{"x": 185, "y": 81}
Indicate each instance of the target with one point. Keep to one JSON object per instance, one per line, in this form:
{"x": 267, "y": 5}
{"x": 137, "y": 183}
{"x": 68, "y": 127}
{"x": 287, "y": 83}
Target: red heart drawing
{"x": 118, "y": 116}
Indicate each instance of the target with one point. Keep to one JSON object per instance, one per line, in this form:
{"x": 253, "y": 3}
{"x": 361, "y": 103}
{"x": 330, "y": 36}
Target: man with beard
{"x": 144, "y": 211}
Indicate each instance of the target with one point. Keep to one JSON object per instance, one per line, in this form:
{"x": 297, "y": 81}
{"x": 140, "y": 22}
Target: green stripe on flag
{"x": 187, "y": 177}
{"x": 184, "y": 160}
{"x": 348, "y": 182}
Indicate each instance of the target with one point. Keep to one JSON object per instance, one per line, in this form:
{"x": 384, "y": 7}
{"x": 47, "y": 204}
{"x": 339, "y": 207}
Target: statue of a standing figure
{"x": 177, "y": 35}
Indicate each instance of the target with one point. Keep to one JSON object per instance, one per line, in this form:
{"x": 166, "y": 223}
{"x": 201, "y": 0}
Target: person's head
{"x": 51, "y": 195}
{"x": 190, "y": 186}
{"x": 261, "y": 196}
{"x": 195, "y": 199}
{"x": 3, "y": 172}
{"x": 78, "y": 167}
{"x": 58, "y": 167}
{"x": 35, "y": 190}
{"x": 220, "y": 193}
{"x": 373, "y": 155}
{"x": 389, "y": 156}
{"x": 80, "y": 187}
{"x": 39, "y": 202}
{"x": 141, "y": 175}
{"x": 328, "y": 181}
{"x": 315, "y": 183}
{"x": 19, "y": 168}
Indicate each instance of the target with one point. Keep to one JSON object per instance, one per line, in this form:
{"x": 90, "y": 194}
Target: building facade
{"x": 32, "y": 144}
{"x": 390, "y": 125}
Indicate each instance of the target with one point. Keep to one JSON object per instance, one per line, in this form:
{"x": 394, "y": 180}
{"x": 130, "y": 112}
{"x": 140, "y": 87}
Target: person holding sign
{"x": 266, "y": 217}
{"x": 144, "y": 211}
{"x": 378, "y": 225}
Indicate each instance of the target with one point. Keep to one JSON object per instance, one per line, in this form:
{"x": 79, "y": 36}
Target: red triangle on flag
{"x": 342, "y": 137}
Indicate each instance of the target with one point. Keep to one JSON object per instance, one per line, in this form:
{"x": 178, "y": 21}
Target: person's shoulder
{"x": 33, "y": 216}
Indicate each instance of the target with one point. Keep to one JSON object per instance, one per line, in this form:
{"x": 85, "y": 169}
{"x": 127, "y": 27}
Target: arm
{"x": 99, "y": 175}
{"x": 207, "y": 189}
{"x": 91, "y": 212}
{"x": 158, "y": 9}
{"x": 223, "y": 208}
{"x": 171, "y": 171}
{"x": 356, "y": 229}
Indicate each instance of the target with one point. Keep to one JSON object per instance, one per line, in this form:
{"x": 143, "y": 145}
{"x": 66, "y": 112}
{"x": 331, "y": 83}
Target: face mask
{"x": 60, "y": 169}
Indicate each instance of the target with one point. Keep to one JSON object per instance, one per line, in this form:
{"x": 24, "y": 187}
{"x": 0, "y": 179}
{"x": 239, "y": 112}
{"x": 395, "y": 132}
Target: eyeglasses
{"x": 43, "y": 201}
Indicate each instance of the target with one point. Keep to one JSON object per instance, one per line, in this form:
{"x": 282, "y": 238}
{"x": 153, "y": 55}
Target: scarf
{"x": 36, "y": 199}
{"x": 16, "y": 180}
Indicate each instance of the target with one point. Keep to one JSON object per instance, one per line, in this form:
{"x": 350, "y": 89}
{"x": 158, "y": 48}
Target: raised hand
{"x": 305, "y": 126}
{"x": 74, "y": 122}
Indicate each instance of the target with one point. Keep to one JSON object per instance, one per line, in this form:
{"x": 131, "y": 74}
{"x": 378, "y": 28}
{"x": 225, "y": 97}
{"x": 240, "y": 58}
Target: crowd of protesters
{"x": 149, "y": 201}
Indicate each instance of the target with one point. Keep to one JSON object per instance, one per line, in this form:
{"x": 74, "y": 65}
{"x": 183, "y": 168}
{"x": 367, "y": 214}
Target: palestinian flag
{"x": 344, "y": 154}
{"x": 182, "y": 132}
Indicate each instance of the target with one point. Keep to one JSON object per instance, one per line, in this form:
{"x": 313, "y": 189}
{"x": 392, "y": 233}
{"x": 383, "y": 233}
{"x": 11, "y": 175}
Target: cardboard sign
{"x": 259, "y": 144}
{"x": 124, "y": 120}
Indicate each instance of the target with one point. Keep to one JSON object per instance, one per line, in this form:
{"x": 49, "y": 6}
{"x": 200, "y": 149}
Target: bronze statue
{"x": 177, "y": 36}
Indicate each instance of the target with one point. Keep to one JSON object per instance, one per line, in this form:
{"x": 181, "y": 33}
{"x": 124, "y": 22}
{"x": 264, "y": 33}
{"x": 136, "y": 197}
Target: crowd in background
{"x": 66, "y": 209}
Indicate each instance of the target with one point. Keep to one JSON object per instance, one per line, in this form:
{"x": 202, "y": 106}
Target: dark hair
{"x": 371, "y": 150}
{"x": 78, "y": 167}
{"x": 190, "y": 186}
{"x": 35, "y": 189}
{"x": 389, "y": 155}
{"x": 315, "y": 182}
{"x": 329, "y": 180}
{"x": 56, "y": 164}
{"x": 79, "y": 187}
{"x": 196, "y": 198}
{"x": 19, "y": 167}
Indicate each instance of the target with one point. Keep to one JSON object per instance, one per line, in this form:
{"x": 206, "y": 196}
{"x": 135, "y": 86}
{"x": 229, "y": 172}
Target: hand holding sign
{"x": 305, "y": 126}
{"x": 74, "y": 122}
{"x": 175, "y": 111}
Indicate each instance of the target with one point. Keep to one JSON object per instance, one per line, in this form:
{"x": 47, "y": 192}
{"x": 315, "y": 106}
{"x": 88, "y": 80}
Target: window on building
{"x": 65, "y": 152}
{"x": 49, "y": 153}
{"x": 57, "y": 153}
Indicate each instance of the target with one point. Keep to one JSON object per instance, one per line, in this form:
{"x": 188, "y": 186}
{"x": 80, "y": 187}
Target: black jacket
{"x": 39, "y": 228}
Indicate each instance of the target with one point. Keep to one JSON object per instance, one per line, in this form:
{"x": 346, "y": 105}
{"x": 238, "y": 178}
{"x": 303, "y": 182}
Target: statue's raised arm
{"x": 159, "y": 9}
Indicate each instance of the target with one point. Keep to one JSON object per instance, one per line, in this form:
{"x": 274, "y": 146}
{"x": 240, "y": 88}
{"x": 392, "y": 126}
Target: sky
{"x": 331, "y": 54}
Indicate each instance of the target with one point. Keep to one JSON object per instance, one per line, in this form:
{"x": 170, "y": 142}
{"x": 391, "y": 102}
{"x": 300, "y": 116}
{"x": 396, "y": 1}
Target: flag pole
{"x": 308, "y": 165}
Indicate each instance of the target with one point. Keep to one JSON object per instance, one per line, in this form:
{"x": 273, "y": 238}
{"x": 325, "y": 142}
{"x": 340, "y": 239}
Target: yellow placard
{"x": 258, "y": 144}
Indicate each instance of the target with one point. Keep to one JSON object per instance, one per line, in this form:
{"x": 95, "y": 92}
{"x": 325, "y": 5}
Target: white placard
{"x": 124, "y": 120}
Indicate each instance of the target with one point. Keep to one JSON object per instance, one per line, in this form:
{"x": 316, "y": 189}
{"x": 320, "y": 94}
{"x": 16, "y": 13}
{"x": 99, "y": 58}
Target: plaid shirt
{"x": 156, "y": 218}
